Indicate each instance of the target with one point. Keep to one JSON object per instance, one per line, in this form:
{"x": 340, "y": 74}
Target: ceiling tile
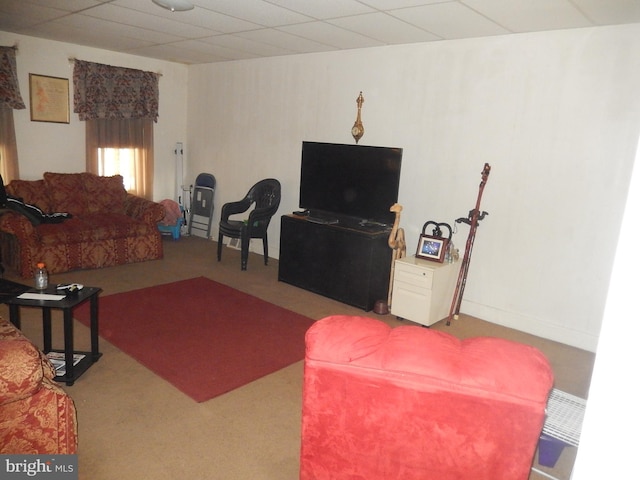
{"x": 284, "y": 40}
{"x": 174, "y": 53}
{"x": 108, "y": 29}
{"x": 200, "y": 17}
{"x": 237, "y": 42}
{"x": 529, "y": 16}
{"x": 394, "y": 4}
{"x": 26, "y": 14}
{"x": 67, "y": 5}
{"x": 326, "y": 8}
{"x": 332, "y": 35}
{"x": 209, "y": 47}
{"x": 255, "y": 11}
{"x": 83, "y": 36}
{"x": 603, "y": 12}
{"x": 134, "y": 18}
{"x": 449, "y": 20}
{"x": 385, "y": 28}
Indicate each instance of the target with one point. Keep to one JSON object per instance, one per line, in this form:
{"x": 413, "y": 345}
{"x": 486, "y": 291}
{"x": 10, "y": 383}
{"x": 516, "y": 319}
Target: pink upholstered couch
{"x": 36, "y": 415}
{"x": 413, "y": 403}
{"x": 108, "y": 226}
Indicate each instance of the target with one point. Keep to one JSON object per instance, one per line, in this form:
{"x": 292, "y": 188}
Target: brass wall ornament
{"x": 358, "y": 129}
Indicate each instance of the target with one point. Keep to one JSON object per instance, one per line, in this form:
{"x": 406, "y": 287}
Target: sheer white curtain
{"x": 124, "y": 147}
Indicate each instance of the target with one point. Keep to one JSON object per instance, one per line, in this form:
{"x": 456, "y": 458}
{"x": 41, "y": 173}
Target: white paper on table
{"x": 40, "y": 296}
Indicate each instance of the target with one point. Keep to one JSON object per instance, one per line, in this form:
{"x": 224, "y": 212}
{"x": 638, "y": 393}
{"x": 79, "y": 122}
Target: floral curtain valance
{"x": 103, "y": 91}
{"x": 9, "y": 88}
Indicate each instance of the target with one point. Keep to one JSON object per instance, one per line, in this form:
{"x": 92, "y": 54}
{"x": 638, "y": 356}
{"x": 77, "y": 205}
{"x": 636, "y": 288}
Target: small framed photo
{"x": 432, "y": 248}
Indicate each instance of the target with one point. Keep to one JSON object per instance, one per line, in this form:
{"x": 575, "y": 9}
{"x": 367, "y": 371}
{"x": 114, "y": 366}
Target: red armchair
{"x": 36, "y": 415}
{"x": 412, "y": 403}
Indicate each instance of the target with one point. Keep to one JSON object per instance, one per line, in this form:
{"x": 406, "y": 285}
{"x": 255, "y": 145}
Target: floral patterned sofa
{"x": 36, "y": 415}
{"x": 108, "y": 226}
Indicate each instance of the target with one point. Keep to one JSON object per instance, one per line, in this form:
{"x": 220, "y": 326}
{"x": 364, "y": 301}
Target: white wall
{"x": 556, "y": 114}
{"x": 612, "y": 414}
{"x": 44, "y": 146}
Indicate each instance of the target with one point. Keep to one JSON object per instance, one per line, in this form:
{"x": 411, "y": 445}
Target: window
{"x": 122, "y": 147}
{"x": 118, "y": 161}
{"x": 119, "y": 121}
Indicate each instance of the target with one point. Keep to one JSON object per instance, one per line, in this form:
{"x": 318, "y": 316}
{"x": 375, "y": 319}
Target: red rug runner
{"x": 203, "y": 337}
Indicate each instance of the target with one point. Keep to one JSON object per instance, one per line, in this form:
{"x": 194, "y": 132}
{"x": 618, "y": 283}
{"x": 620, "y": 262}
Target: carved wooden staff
{"x": 397, "y": 243}
{"x": 472, "y": 219}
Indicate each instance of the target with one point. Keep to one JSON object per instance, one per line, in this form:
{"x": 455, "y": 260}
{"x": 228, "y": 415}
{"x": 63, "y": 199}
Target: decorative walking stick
{"x": 397, "y": 243}
{"x": 472, "y": 219}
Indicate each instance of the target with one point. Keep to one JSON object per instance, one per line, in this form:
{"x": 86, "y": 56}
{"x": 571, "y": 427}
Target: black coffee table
{"x": 67, "y": 304}
{"x": 9, "y": 289}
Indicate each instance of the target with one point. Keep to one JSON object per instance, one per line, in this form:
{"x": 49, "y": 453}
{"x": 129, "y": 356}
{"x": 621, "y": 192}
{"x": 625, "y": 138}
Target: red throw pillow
{"x": 105, "y": 194}
{"x": 33, "y": 192}
{"x": 67, "y": 192}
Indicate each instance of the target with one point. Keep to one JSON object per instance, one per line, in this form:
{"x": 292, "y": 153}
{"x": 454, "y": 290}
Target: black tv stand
{"x": 349, "y": 263}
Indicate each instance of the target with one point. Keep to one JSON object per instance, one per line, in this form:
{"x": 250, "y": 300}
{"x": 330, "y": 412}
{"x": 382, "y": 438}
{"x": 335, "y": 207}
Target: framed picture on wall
{"x": 49, "y": 98}
{"x": 432, "y": 248}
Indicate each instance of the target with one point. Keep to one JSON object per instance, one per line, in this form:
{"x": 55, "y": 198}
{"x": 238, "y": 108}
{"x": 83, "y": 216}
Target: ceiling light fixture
{"x": 174, "y": 5}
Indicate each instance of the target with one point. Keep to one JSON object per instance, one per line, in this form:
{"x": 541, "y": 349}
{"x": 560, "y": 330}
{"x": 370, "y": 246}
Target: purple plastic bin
{"x": 549, "y": 450}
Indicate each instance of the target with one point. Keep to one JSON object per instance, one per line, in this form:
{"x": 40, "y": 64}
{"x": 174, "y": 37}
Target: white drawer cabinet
{"x": 423, "y": 290}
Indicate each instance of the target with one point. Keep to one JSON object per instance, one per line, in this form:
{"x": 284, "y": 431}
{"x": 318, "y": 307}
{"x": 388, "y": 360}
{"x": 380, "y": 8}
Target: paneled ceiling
{"x": 224, "y": 30}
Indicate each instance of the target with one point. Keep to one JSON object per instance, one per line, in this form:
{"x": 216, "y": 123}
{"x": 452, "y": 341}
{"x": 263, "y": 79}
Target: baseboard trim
{"x": 534, "y": 326}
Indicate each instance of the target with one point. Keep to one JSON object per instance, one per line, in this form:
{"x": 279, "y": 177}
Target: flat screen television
{"x": 360, "y": 182}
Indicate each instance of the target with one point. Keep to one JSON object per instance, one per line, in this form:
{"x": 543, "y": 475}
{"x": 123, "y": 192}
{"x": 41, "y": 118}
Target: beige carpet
{"x": 134, "y": 426}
